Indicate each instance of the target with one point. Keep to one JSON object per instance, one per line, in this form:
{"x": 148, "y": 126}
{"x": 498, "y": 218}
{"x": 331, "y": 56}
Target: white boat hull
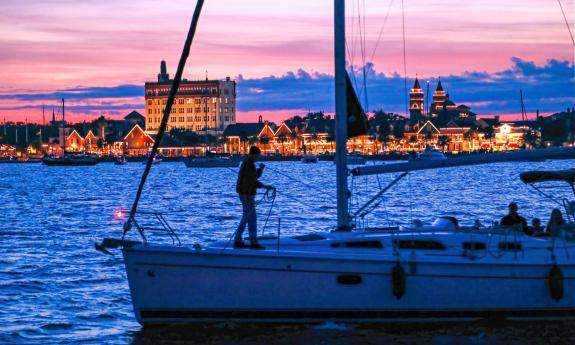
{"x": 184, "y": 285}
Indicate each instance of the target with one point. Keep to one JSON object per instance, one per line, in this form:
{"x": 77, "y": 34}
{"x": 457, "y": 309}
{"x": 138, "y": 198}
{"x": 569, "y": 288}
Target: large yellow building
{"x": 199, "y": 106}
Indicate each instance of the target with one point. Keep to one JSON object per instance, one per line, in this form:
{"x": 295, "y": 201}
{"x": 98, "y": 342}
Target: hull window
{"x": 358, "y": 244}
{"x": 418, "y": 244}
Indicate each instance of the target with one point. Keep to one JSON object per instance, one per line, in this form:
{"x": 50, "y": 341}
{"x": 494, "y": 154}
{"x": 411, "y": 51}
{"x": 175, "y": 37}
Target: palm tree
{"x": 294, "y": 136}
{"x": 282, "y": 139}
{"x": 470, "y": 136}
{"x": 244, "y": 138}
{"x": 489, "y": 133}
{"x": 412, "y": 141}
{"x": 530, "y": 138}
{"x": 314, "y": 139}
{"x": 443, "y": 141}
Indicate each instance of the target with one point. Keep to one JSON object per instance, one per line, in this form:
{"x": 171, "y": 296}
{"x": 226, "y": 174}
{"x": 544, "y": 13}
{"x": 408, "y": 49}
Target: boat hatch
{"x": 510, "y": 246}
{"x": 474, "y": 245}
{"x": 446, "y": 222}
{"x": 419, "y": 244}
{"x": 309, "y": 237}
{"x": 358, "y": 244}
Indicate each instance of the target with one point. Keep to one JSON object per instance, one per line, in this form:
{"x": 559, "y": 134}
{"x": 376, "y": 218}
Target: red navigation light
{"x": 119, "y": 214}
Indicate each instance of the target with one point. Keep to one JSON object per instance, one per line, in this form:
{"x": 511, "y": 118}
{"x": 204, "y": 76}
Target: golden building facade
{"x": 200, "y": 105}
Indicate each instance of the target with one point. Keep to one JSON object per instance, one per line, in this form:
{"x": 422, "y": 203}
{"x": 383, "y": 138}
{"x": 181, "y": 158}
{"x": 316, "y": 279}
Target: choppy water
{"x": 55, "y": 288}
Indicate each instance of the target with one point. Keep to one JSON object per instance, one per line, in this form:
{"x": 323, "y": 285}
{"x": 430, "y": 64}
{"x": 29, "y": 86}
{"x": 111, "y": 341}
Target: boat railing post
{"x": 279, "y": 234}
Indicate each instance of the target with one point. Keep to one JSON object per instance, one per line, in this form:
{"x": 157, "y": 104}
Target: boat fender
{"x": 555, "y": 281}
{"x": 398, "y": 281}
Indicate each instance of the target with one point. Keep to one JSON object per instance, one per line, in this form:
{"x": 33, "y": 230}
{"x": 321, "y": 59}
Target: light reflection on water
{"x": 54, "y": 287}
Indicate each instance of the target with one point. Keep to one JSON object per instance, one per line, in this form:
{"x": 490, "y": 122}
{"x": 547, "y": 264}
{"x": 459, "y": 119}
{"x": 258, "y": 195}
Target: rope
{"x": 167, "y": 111}
{"x": 404, "y": 58}
{"x": 381, "y": 30}
{"x": 566, "y": 22}
{"x": 296, "y": 180}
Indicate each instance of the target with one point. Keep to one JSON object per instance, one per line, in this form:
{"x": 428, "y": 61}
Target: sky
{"x": 97, "y": 54}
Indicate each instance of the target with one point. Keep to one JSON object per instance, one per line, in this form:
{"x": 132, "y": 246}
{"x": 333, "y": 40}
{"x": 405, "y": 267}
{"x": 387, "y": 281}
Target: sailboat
{"x": 442, "y": 270}
{"x": 69, "y": 158}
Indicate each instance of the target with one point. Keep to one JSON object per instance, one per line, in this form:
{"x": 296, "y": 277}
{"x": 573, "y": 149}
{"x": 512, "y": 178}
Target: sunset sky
{"x": 98, "y": 53}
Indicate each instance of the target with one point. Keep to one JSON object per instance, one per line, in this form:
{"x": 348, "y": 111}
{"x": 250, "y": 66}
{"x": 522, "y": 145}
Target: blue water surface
{"x": 56, "y": 288}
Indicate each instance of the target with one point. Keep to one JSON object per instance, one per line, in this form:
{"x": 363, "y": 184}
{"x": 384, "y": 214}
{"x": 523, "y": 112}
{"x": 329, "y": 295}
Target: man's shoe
{"x": 256, "y": 246}
{"x": 240, "y": 245}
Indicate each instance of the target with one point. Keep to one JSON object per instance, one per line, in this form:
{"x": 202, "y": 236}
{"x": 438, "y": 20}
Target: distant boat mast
{"x": 523, "y": 112}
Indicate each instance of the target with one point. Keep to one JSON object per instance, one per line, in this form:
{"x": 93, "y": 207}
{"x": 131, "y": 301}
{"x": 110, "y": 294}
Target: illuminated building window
{"x": 226, "y": 109}
{"x": 189, "y": 101}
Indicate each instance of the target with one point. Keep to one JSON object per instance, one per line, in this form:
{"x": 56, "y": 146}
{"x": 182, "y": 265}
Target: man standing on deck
{"x": 246, "y": 187}
{"x": 513, "y": 219}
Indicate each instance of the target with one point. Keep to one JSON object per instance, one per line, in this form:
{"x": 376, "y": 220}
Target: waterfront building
{"x": 200, "y": 105}
{"x": 416, "y": 103}
{"x": 297, "y": 136}
{"x": 441, "y": 111}
{"x": 440, "y": 98}
{"x": 509, "y": 136}
{"x": 448, "y": 139}
{"x": 136, "y": 143}
{"x": 74, "y": 142}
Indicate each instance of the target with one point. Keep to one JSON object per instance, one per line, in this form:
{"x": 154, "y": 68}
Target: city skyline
{"x": 99, "y": 59}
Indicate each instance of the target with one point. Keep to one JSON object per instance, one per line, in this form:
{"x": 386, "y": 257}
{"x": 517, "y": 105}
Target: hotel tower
{"x": 200, "y": 105}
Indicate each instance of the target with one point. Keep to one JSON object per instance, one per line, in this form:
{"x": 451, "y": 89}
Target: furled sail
{"x": 357, "y": 123}
{"x": 516, "y": 156}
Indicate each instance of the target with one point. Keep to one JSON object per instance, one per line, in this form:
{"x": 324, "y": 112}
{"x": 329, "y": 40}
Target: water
{"x": 55, "y": 288}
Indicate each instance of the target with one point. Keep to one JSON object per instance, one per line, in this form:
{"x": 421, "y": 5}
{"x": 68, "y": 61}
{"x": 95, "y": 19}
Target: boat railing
{"x": 152, "y": 222}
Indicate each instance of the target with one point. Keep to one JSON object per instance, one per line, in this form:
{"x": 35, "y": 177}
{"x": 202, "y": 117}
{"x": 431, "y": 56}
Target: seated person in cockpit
{"x": 513, "y": 219}
{"x": 556, "y": 222}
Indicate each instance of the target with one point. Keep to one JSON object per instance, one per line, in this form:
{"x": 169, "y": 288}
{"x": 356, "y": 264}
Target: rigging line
{"x": 351, "y": 51}
{"x": 381, "y": 30}
{"x": 167, "y": 111}
{"x": 360, "y": 39}
{"x": 363, "y": 60}
{"x": 566, "y": 22}
{"x": 404, "y": 57}
{"x": 296, "y": 180}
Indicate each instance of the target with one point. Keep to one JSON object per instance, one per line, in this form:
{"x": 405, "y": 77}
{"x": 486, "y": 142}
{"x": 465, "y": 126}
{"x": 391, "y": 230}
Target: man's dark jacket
{"x": 248, "y": 178}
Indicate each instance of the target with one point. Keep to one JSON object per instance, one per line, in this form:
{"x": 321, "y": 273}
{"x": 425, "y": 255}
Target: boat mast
{"x": 523, "y": 112}
{"x": 343, "y": 223}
